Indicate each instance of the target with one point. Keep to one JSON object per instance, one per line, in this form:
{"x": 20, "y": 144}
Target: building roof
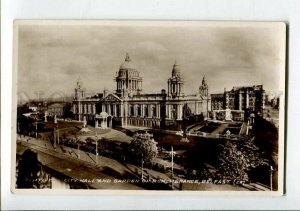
{"x": 176, "y": 72}
{"x": 56, "y": 105}
{"x": 127, "y": 64}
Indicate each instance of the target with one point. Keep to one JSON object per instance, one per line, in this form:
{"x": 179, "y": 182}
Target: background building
{"x": 240, "y": 100}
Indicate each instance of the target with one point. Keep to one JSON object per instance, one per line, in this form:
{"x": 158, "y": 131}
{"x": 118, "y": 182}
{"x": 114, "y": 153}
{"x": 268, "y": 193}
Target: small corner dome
{"x": 176, "y": 70}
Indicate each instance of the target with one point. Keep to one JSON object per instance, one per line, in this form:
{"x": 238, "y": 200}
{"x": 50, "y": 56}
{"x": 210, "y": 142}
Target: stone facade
{"x": 128, "y": 105}
{"x": 246, "y": 98}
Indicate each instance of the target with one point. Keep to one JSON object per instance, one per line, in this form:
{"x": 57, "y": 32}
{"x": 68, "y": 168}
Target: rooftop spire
{"x": 127, "y": 58}
{"x": 79, "y": 82}
{"x": 203, "y": 80}
{"x": 175, "y": 64}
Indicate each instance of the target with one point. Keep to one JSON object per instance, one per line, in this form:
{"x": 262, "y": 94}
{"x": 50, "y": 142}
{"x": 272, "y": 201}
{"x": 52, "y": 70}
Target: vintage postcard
{"x": 148, "y": 106}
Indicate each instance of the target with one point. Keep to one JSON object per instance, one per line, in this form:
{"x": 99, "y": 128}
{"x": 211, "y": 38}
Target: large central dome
{"x": 128, "y": 79}
{"x": 128, "y": 64}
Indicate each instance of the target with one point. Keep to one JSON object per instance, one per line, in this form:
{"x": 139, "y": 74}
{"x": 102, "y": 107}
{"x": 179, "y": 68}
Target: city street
{"x": 77, "y": 164}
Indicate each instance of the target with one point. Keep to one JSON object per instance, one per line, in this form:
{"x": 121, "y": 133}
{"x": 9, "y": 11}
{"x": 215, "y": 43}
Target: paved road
{"x": 74, "y": 163}
{"x": 82, "y": 169}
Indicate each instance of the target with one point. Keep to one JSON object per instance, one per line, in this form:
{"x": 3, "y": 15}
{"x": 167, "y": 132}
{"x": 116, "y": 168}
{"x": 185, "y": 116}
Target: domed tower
{"x": 175, "y": 83}
{"x": 128, "y": 79}
{"x": 79, "y": 91}
{"x": 203, "y": 89}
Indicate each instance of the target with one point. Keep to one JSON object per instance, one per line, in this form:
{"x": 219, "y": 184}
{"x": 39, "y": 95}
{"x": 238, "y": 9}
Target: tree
{"x": 186, "y": 111}
{"x": 67, "y": 111}
{"x": 143, "y": 147}
{"x": 186, "y": 114}
{"x": 238, "y": 158}
{"x": 30, "y": 172}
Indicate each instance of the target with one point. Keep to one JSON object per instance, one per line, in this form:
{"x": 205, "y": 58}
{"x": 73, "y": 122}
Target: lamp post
{"x": 54, "y": 138}
{"x": 78, "y": 149}
{"x": 18, "y": 129}
{"x": 271, "y": 177}
{"x": 172, "y": 165}
{"x": 96, "y": 148}
{"x": 142, "y": 164}
{"x": 36, "y": 127}
{"x": 57, "y": 128}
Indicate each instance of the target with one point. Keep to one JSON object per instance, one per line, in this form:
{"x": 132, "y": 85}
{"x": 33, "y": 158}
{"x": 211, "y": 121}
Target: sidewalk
{"x": 82, "y": 169}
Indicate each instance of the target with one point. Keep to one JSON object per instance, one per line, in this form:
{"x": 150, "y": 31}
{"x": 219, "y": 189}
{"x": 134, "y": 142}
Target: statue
{"x": 84, "y": 121}
{"x": 45, "y": 117}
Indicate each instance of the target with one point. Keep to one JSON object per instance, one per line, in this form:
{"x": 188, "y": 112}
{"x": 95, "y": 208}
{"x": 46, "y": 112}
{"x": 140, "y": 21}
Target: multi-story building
{"x": 246, "y": 98}
{"x": 129, "y": 105}
{"x": 55, "y": 109}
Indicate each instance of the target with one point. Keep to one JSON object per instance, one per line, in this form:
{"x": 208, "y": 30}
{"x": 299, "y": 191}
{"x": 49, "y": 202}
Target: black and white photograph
{"x": 147, "y": 106}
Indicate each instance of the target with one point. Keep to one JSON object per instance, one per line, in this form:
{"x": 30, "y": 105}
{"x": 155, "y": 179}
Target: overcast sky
{"x": 51, "y": 57}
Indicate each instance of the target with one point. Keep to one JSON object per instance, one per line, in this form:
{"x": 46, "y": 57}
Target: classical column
{"x": 103, "y": 107}
{"x": 167, "y": 111}
{"x": 240, "y": 100}
{"x": 178, "y": 112}
{"x": 247, "y": 99}
{"x": 170, "y": 112}
{"x": 94, "y": 108}
{"x": 125, "y": 112}
{"x": 157, "y": 110}
{"x": 108, "y": 109}
{"x": 149, "y": 111}
{"x": 135, "y": 110}
{"x": 115, "y": 110}
{"x": 81, "y": 108}
{"x": 142, "y": 110}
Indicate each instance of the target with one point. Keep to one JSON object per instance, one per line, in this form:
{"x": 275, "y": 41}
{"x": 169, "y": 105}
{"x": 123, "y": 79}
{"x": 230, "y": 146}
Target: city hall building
{"x": 129, "y": 106}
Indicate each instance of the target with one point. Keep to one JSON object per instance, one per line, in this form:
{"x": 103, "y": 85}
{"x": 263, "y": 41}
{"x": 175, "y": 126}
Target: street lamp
{"x": 57, "y": 128}
{"x": 96, "y": 147}
{"x": 54, "y": 138}
{"x": 78, "y": 152}
{"x": 36, "y": 127}
{"x": 271, "y": 177}
{"x": 172, "y": 164}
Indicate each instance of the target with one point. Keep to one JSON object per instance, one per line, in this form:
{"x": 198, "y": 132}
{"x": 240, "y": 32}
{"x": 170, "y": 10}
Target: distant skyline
{"x": 53, "y": 57}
